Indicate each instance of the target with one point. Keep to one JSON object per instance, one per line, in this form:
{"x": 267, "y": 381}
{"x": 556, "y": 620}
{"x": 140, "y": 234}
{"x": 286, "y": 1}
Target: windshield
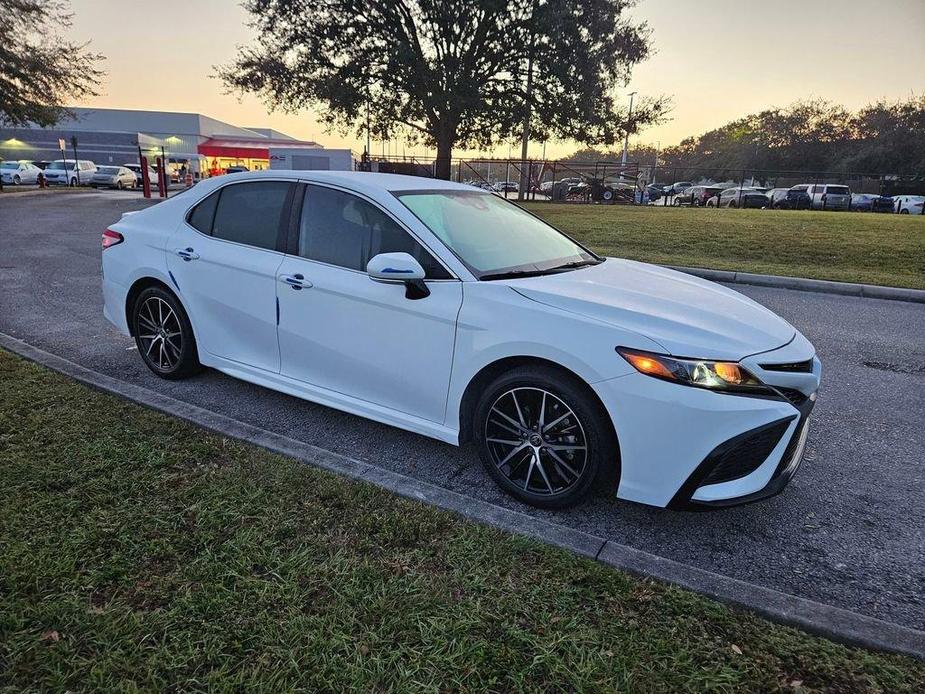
{"x": 110, "y": 170}
{"x": 58, "y": 165}
{"x": 491, "y": 236}
{"x": 9, "y": 165}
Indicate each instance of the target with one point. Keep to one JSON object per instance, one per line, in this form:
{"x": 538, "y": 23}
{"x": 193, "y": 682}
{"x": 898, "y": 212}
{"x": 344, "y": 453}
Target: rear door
{"x": 224, "y": 258}
{"x": 342, "y": 331}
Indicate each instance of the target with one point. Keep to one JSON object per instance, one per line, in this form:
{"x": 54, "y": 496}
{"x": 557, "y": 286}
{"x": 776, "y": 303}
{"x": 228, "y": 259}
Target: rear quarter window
{"x": 201, "y": 216}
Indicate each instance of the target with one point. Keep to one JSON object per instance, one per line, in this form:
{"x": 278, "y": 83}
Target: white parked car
{"x": 139, "y": 175}
{"x": 19, "y": 172}
{"x": 909, "y": 204}
{"x": 114, "y": 177}
{"x": 67, "y": 172}
{"x": 453, "y": 313}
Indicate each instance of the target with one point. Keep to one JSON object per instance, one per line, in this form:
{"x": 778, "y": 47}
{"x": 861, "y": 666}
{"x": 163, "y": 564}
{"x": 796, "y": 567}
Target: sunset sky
{"x": 718, "y": 61}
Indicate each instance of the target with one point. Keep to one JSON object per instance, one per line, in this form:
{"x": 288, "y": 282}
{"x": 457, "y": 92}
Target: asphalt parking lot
{"x": 849, "y": 531}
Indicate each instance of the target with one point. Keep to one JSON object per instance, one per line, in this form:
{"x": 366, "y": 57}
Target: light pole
{"x": 629, "y": 120}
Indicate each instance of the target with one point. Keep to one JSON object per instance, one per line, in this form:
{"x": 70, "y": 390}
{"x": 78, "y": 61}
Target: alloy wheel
{"x": 537, "y": 441}
{"x": 160, "y": 334}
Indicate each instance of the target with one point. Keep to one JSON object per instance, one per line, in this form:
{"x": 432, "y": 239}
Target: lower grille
{"x": 744, "y": 454}
{"x": 794, "y": 396}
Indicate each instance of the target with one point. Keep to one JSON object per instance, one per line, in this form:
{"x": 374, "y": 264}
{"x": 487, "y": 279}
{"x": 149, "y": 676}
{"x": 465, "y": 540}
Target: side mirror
{"x": 396, "y": 268}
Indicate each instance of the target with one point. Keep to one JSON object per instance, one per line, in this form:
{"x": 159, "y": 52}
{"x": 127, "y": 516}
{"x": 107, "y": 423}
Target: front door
{"x": 224, "y": 260}
{"x": 347, "y": 333}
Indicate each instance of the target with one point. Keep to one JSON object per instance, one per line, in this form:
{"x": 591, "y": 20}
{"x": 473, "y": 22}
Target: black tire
{"x": 16, "y": 180}
{"x": 119, "y": 185}
{"x": 586, "y": 451}
{"x": 676, "y": 202}
{"x": 161, "y": 353}
{"x": 904, "y": 212}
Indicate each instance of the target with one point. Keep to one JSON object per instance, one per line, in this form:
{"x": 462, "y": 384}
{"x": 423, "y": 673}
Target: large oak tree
{"x": 448, "y": 73}
{"x": 39, "y": 69}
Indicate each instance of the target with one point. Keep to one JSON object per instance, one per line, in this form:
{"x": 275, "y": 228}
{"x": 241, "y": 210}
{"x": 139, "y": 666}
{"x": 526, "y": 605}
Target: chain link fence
{"x": 632, "y": 183}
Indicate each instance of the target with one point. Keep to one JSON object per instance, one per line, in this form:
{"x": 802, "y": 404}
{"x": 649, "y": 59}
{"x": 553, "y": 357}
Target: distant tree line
{"x": 884, "y": 137}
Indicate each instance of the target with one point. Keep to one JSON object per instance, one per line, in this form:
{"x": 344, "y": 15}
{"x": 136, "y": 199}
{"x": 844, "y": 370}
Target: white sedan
{"x": 19, "y": 172}
{"x": 450, "y": 312}
{"x": 909, "y": 204}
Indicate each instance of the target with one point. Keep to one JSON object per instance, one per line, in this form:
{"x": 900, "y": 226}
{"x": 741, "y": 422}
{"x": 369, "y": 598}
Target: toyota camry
{"x": 451, "y": 312}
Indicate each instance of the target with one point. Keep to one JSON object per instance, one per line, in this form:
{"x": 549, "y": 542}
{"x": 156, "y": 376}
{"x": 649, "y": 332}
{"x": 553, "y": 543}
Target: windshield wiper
{"x": 512, "y": 274}
{"x": 574, "y": 264}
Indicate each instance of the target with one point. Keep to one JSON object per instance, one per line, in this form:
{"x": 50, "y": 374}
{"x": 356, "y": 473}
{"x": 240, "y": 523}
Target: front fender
{"x": 495, "y": 323}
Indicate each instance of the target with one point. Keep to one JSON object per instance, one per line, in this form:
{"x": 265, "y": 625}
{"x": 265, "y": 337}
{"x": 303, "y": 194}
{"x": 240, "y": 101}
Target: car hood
{"x": 688, "y": 316}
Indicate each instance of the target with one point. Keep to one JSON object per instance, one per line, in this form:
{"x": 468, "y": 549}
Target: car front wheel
{"x": 543, "y": 437}
{"x": 163, "y": 335}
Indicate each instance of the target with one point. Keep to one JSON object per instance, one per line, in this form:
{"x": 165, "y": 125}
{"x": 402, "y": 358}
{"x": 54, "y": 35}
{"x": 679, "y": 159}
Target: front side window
{"x": 251, "y": 213}
{"x": 492, "y": 236}
{"x": 342, "y": 229}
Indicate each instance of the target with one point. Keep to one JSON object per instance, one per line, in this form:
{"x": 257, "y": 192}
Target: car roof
{"x": 357, "y": 180}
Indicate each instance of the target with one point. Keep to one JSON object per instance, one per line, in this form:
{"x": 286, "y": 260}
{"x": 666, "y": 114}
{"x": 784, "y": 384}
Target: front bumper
{"x": 686, "y": 448}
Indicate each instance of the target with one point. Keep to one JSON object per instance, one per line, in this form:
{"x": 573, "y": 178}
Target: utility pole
{"x": 658, "y": 146}
{"x": 525, "y": 138}
{"x": 369, "y": 141}
{"x": 629, "y": 122}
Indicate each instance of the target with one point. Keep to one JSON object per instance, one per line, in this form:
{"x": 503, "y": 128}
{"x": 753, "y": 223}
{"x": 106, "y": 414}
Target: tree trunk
{"x": 444, "y": 163}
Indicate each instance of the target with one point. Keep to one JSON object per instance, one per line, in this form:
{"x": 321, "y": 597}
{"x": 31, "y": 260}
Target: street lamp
{"x": 629, "y": 120}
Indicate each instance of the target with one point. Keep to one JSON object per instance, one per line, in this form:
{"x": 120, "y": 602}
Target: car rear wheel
{"x": 543, "y": 437}
{"x": 904, "y": 212}
{"x": 163, "y": 335}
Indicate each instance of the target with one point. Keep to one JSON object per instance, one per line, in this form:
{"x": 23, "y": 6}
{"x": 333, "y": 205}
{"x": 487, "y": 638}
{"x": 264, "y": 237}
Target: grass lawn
{"x": 880, "y": 249}
{"x": 137, "y": 551}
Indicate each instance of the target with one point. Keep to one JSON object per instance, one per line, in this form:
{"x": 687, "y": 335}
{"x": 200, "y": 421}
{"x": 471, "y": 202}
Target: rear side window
{"x": 201, "y": 216}
{"x": 344, "y": 230}
{"x": 251, "y": 213}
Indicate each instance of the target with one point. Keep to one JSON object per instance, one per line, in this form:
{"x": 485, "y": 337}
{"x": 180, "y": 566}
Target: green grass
{"x": 139, "y": 552}
{"x": 879, "y": 249}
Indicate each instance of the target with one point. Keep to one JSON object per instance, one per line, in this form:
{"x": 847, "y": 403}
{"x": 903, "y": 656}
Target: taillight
{"x": 111, "y": 238}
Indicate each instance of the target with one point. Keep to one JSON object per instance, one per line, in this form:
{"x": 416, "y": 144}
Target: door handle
{"x": 297, "y": 281}
{"x": 187, "y": 254}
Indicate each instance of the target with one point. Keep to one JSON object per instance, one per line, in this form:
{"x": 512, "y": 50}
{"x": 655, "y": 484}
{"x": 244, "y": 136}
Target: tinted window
{"x": 341, "y": 229}
{"x": 202, "y": 214}
{"x": 251, "y": 213}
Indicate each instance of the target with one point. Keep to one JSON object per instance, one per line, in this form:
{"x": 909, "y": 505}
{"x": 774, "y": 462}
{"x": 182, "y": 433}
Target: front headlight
{"x": 701, "y": 373}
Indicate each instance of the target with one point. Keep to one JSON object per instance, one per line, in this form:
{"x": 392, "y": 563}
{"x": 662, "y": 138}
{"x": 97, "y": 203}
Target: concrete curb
{"x": 870, "y": 291}
{"x": 831, "y": 622}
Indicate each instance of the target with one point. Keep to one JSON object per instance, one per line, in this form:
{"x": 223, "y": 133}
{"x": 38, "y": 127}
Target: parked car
{"x": 114, "y": 177}
{"x": 655, "y": 192}
{"x": 798, "y": 198}
{"x": 19, "y": 172}
{"x": 910, "y": 204}
{"x": 67, "y": 172}
{"x": 506, "y": 187}
{"x": 826, "y": 196}
{"x": 676, "y": 187}
{"x": 136, "y": 169}
{"x": 488, "y": 325}
{"x": 695, "y": 196}
{"x": 740, "y": 197}
{"x": 871, "y": 202}
{"x": 777, "y": 198}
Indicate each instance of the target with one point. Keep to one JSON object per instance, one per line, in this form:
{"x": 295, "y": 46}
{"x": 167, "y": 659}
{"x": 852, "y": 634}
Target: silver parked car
{"x": 114, "y": 177}
{"x": 826, "y": 196}
{"x": 19, "y": 172}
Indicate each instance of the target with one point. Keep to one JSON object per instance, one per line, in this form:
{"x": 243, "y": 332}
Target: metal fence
{"x": 612, "y": 182}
